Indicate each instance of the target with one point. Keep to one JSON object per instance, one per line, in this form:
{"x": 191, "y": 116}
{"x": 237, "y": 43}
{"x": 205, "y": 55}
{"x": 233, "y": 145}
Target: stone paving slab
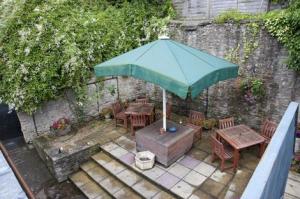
{"x": 293, "y": 187}
{"x": 92, "y": 190}
{"x": 146, "y": 189}
{"x": 167, "y": 180}
{"x": 126, "y": 193}
{"x": 183, "y": 189}
{"x": 112, "y": 185}
{"x": 97, "y": 173}
{"x": 194, "y": 178}
{"x": 101, "y": 158}
{"x": 163, "y": 195}
{"x": 80, "y": 178}
{"x": 128, "y": 177}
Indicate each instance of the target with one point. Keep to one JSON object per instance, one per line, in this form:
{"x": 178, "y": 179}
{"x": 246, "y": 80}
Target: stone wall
{"x": 267, "y": 62}
{"x": 99, "y": 96}
{"x": 204, "y": 9}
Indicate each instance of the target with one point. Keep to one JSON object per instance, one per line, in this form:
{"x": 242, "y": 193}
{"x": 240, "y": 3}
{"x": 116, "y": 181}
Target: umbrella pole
{"x": 164, "y": 110}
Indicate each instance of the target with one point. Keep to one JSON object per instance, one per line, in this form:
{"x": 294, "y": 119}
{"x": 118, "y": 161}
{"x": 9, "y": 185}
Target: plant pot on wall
{"x": 61, "y": 127}
{"x": 61, "y": 132}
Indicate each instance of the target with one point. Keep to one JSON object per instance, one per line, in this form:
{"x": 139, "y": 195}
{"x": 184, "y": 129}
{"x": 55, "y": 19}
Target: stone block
{"x": 27, "y": 126}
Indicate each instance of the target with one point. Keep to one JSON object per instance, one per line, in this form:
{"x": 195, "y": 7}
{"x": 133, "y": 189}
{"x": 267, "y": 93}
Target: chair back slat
{"x": 217, "y": 146}
{"x": 196, "y": 117}
{"x": 226, "y": 123}
{"x": 268, "y": 129}
{"x": 142, "y": 100}
{"x": 117, "y": 108}
{"x": 138, "y": 119}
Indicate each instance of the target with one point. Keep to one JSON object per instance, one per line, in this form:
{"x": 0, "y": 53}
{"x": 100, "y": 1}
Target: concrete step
{"x": 131, "y": 178}
{"x": 88, "y": 186}
{"x": 108, "y": 182}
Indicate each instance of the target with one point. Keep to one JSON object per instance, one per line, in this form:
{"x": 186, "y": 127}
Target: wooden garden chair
{"x": 158, "y": 115}
{"x": 195, "y": 121}
{"x": 226, "y": 123}
{"x": 142, "y": 100}
{"x": 222, "y": 152}
{"x": 119, "y": 114}
{"x": 268, "y": 129}
{"x": 137, "y": 120}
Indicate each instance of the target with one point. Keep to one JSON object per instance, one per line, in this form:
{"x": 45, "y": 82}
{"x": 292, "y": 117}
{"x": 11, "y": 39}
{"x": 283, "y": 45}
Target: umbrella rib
{"x": 154, "y": 43}
{"x": 194, "y": 55}
{"x": 177, "y": 62}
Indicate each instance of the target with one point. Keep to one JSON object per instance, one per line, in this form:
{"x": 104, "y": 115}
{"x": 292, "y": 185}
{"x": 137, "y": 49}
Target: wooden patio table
{"x": 167, "y": 147}
{"x": 146, "y": 109}
{"x": 241, "y": 137}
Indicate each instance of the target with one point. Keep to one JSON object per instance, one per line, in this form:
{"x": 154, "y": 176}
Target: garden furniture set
{"x": 230, "y": 140}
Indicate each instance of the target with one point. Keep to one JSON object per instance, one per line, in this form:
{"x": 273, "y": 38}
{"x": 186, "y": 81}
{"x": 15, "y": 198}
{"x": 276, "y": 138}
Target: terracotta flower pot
{"x": 61, "y": 132}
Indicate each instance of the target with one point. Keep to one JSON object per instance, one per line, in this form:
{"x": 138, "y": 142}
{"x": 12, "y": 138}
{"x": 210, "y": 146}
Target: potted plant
{"x": 208, "y": 124}
{"x": 106, "y": 112}
{"x": 61, "y": 127}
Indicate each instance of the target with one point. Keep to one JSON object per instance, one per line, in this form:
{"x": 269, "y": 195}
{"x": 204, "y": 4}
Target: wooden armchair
{"x": 142, "y": 100}
{"x": 158, "y": 115}
{"x": 137, "y": 120}
{"x": 268, "y": 129}
{"x": 119, "y": 114}
{"x": 226, "y": 123}
{"x": 195, "y": 122}
{"x": 224, "y": 153}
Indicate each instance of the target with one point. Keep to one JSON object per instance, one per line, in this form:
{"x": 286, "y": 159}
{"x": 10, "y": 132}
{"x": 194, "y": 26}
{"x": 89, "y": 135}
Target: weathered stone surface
{"x": 51, "y": 112}
{"x": 267, "y": 62}
{"x": 27, "y": 126}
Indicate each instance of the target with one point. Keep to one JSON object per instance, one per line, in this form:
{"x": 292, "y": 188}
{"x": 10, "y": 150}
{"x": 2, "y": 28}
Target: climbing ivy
{"x": 282, "y": 24}
{"x": 48, "y": 46}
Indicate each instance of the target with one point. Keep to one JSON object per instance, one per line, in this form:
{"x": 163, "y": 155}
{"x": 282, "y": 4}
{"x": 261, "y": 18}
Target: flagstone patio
{"x": 193, "y": 175}
{"x": 112, "y": 172}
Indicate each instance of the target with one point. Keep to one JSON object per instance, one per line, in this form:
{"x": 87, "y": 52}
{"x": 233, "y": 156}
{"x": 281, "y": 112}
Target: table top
{"x": 152, "y": 132}
{"x": 240, "y": 136}
{"x": 146, "y": 109}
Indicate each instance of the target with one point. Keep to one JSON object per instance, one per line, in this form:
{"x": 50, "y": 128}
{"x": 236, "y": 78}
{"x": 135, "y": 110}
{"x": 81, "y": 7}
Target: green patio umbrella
{"x": 175, "y": 67}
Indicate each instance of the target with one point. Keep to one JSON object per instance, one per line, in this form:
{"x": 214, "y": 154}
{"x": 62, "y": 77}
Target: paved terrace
{"x": 112, "y": 171}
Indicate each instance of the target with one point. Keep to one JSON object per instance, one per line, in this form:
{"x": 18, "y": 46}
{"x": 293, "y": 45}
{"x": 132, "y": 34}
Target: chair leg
{"x": 222, "y": 165}
{"x": 213, "y": 157}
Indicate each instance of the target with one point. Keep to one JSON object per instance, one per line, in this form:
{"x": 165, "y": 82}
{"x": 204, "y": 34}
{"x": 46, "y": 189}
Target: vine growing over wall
{"x": 282, "y": 24}
{"x": 48, "y": 46}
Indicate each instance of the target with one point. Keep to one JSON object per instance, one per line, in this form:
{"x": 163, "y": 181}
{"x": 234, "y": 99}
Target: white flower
{"x": 23, "y": 69}
{"x": 39, "y": 27}
{"x": 27, "y": 51}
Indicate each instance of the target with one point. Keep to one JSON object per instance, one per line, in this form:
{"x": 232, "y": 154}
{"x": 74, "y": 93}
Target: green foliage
{"x": 253, "y": 87}
{"x": 48, "y": 46}
{"x": 250, "y": 43}
{"x": 235, "y": 16}
{"x": 282, "y": 24}
{"x": 285, "y": 26}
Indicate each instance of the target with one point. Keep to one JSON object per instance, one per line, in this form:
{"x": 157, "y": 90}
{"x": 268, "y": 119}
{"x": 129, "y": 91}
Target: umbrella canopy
{"x": 176, "y": 67}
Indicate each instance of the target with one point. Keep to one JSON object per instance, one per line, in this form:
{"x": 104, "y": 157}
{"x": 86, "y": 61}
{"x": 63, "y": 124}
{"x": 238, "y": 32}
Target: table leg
{"x": 261, "y": 149}
{"x": 236, "y": 159}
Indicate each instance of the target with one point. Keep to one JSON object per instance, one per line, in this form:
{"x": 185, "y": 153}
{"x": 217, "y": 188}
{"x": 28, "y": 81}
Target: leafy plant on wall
{"x": 48, "y": 46}
{"x": 252, "y": 89}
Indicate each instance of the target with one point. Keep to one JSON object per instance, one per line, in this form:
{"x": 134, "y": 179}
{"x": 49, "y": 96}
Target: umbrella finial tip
{"x": 163, "y": 37}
